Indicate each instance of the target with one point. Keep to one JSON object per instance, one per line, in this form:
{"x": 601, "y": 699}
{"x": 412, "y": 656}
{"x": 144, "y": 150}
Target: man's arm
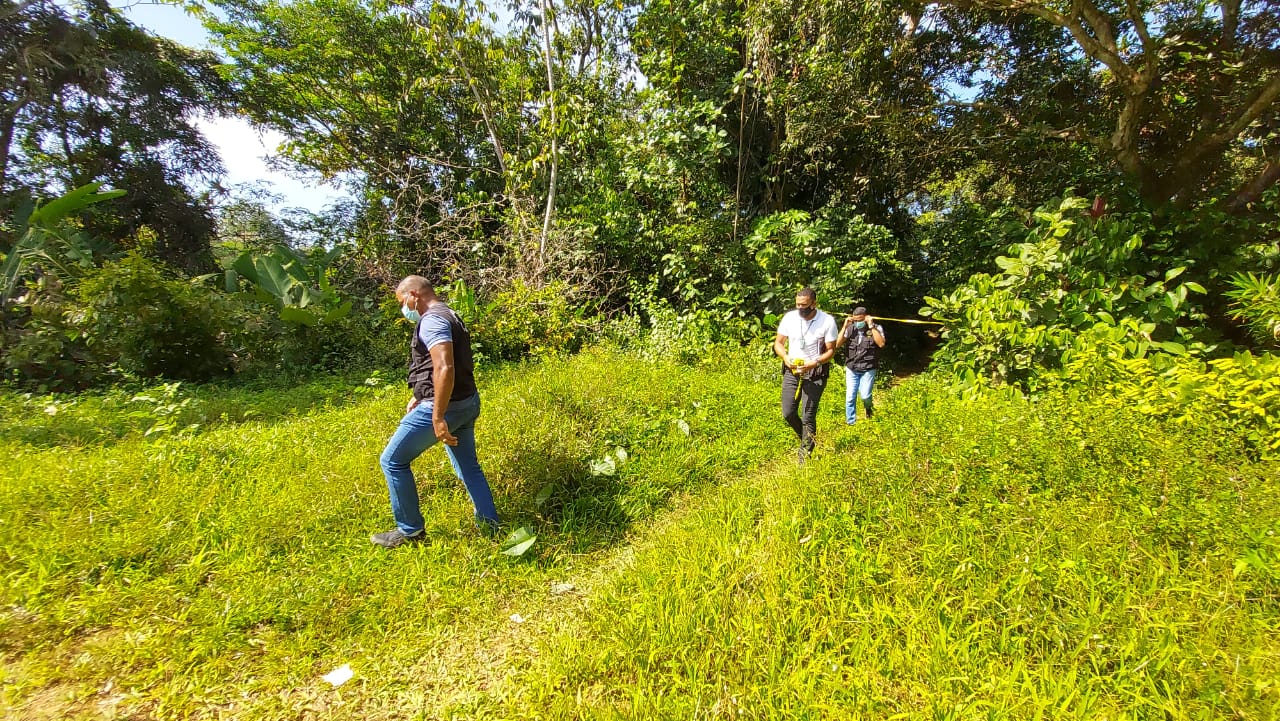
{"x": 844, "y": 333}
{"x": 828, "y": 350}
{"x": 780, "y": 349}
{"x": 877, "y": 333}
{"x": 442, "y": 378}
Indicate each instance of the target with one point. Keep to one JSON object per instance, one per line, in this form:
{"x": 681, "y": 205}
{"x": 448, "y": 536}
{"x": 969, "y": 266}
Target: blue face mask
{"x": 410, "y": 314}
{"x": 859, "y": 324}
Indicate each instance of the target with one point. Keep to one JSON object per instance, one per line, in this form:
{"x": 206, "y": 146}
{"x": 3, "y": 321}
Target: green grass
{"x": 984, "y": 559}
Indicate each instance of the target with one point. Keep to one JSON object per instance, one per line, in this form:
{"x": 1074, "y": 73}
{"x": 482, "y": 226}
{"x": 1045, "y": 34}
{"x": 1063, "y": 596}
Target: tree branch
{"x": 1198, "y": 147}
{"x": 1101, "y": 48}
{"x": 1252, "y": 190}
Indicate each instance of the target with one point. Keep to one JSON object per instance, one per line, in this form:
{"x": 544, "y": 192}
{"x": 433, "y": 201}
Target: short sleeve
{"x": 784, "y": 325}
{"x": 434, "y": 330}
{"x": 831, "y": 330}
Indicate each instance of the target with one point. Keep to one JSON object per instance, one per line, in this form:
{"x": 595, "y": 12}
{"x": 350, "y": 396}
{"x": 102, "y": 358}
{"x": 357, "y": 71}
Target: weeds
{"x": 951, "y": 559}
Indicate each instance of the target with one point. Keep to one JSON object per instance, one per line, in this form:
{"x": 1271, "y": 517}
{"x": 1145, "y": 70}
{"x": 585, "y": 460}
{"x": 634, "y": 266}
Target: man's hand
{"x": 443, "y": 434}
{"x": 871, "y": 323}
{"x": 413, "y": 403}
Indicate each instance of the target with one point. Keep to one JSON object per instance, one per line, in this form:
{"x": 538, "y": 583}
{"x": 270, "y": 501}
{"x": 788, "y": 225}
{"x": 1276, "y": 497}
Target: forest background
{"x": 1044, "y": 179}
{"x": 1074, "y": 512}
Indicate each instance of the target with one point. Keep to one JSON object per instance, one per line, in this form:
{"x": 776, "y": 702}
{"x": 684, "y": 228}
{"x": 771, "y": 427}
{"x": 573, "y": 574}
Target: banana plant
{"x": 45, "y": 237}
{"x": 298, "y": 284}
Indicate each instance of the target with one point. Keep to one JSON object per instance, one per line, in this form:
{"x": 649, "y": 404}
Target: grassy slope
{"x": 949, "y": 560}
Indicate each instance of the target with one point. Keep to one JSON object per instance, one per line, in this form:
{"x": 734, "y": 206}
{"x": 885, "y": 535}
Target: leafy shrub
{"x": 1240, "y": 393}
{"x": 1256, "y": 301}
{"x": 153, "y": 324}
{"x": 691, "y": 337}
{"x": 40, "y": 346}
{"x": 522, "y": 321}
{"x": 1071, "y": 274}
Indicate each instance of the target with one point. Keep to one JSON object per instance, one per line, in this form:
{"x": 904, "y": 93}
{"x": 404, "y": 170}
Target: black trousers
{"x": 802, "y": 413}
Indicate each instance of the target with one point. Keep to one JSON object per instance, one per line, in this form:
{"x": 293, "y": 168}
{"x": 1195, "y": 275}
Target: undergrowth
{"x": 987, "y": 558}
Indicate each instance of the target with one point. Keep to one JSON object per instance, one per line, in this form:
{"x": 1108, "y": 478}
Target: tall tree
{"x": 1174, "y": 93}
{"x": 406, "y": 102}
{"x": 88, "y": 96}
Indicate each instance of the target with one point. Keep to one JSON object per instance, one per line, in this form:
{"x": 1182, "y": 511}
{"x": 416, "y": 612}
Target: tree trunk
{"x": 6, "y": 139}
{"x": 555, "y": 131}
{"x": 1254, "y": 189}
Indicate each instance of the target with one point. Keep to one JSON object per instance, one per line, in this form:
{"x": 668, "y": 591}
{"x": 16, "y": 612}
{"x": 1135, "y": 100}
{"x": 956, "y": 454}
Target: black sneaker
{"x": 394, "y": 537}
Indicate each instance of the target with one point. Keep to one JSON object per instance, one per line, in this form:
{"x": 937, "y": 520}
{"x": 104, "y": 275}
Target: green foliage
{"x": 1177, "y": 97}
{"x": 522, "y": 321}
{"x": 47, "y": 242}
{"x": 693, "y": 337}
{"x": 1071, "y": 274}
{"x": 1240, "y": 393}
{"x": 43, "y": 346}
{"x": 1256, "y": 301}
{"x": 838, "y": 254}
{"x": 298, "y": 283}
{"x": 91, "y": 97}
{"x": 153, "y": 324}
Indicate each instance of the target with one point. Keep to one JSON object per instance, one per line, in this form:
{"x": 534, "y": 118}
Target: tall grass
{"x": 994, "y": 558}
{"x": 220, "y": 569}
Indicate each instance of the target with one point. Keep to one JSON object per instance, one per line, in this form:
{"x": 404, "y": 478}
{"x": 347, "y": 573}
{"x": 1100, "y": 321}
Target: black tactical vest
{"x": 420, "y": 366}
{"x": 862, "y": 353}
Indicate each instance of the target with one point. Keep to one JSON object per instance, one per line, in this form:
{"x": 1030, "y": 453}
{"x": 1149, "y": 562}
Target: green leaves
{"x": 45, "y": 237}
{"x": 296, "y": 283}
{"x": 519, "y": 542}
{"x": 1073, "y": 283}
{"x": 1256, "y": 301}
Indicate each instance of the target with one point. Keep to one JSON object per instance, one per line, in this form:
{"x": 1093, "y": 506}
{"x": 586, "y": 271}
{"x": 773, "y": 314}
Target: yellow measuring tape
{"x": 907, "y": 320}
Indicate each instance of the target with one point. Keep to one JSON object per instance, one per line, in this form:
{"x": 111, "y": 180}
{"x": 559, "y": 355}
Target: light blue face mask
{"x": 410, "y": 314}
{"x": 859, "y": 324}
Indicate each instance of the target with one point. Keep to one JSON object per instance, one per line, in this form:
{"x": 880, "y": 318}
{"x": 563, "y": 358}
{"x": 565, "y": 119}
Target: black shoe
{"x": 394, "y": 537}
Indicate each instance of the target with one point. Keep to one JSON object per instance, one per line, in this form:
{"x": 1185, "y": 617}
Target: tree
{"x": 90, "y": 97}
{"x": 405, "y": 102}
{"x": 1179, "y": 96}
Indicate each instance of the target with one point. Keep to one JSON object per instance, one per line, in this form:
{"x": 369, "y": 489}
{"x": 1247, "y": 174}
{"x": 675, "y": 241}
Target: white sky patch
{"x": 246, "y": 151}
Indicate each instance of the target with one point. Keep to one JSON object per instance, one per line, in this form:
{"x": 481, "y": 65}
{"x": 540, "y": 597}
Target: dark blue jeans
{"x": 414, "y": 436}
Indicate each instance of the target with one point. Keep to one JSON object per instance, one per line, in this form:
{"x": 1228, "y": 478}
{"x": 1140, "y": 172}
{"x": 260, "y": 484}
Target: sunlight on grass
{"x": 949, "y": 560}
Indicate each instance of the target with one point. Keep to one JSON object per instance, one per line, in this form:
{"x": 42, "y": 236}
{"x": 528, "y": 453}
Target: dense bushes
{"x": 1239, "y": 392}
{"x": 1108, "y": 307}
{"x": 134, "y": 318}
{"x": 152, "y": 324}
{"x": 1072, "y": 273}
{"x": 522, "y": 321}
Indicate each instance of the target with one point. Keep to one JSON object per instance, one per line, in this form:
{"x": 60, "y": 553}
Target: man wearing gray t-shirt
{"x": 444, "y": 408}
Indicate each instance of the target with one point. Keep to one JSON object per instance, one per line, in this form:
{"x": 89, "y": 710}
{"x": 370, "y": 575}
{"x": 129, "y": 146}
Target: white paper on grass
{"x": 340, "y": 675}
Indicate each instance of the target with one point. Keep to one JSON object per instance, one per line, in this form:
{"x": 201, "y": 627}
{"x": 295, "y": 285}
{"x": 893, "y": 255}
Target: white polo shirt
{"x": 805, "y": 337}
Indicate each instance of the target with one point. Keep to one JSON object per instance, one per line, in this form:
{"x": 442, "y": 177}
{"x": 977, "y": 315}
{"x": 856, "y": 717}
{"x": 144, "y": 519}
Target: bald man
{"x": 444, "y": 407}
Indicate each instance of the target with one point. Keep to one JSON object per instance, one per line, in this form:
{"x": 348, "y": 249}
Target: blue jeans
{"x": 857, "y": 384}
{"x": 414, "y": 436}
